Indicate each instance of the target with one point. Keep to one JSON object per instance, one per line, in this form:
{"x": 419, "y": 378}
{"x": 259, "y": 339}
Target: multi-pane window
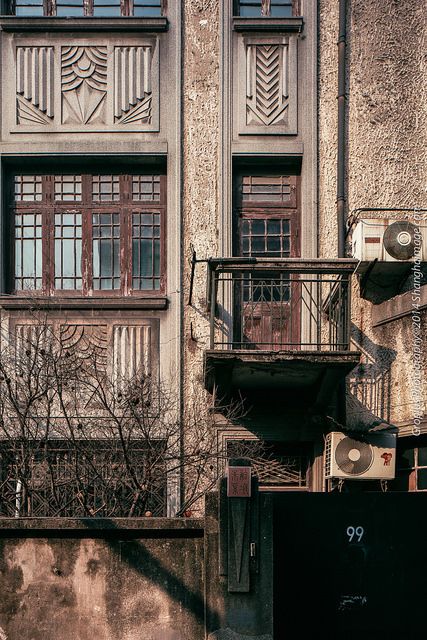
{"x": 81, "y": 8}
{"x": 267, "y": 227}
{"x": 90, "y": 234}
{"x": 272, "y": 8}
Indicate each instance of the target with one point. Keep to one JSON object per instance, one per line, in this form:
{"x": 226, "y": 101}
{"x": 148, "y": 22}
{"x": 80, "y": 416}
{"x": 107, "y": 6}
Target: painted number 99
{"x": 355, "y": 531}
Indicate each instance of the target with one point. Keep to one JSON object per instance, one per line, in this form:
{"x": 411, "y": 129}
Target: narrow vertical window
{"x": 146, "y": 251}
{"x": 106, "y": 250}
{"x": 28, "y": 250}
{"x": 68, "y": 250}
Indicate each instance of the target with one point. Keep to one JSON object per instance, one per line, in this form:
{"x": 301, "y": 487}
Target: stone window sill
{"x": 48, "y": 24}
{"x": 104, "y": 303}
{"x": 268, "y": 24}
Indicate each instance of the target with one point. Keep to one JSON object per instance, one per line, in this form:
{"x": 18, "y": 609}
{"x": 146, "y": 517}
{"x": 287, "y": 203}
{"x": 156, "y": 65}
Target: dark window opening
{"x": 88, "y": 234}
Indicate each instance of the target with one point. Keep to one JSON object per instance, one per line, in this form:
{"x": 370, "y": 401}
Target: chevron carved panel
{"x": 34, "y": 85}
{"x": 132, "y": 85}
{"x": 267, "y": 93}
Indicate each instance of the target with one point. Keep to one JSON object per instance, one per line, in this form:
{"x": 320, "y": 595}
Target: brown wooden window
{"x": 81, "y": 8}
{"x": 88, "y": 234}
{"x": 266, "y": 8}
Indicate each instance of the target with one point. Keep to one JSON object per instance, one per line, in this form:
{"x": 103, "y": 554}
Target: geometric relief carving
{"x": 131, "y": 351}
{"x": 267, "y": 92}
{"x": 34, "y": 85}
{"x": 132, "y": 85}
{"x": 86, "y": 341}
{"x": 83, "y": 84}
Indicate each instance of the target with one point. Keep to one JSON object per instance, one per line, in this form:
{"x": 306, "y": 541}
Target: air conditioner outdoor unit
{"x": 368, "y": 457}
{"x": 389, "y": 240}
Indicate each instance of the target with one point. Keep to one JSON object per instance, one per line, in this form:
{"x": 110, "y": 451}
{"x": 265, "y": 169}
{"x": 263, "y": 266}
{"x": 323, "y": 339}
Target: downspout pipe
{"x": 341, "y": 154}
{"x": 341, "y": 150}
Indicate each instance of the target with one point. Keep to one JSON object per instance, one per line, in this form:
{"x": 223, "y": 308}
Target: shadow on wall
{"x": 369, "y": 383}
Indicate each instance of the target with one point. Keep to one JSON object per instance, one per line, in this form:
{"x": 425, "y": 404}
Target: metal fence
{"x": 273, "y": 305}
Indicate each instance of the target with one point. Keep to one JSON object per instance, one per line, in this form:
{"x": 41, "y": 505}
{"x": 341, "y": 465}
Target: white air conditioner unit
{"x": 368, "y": 457}
{"x": 389, "y": 240}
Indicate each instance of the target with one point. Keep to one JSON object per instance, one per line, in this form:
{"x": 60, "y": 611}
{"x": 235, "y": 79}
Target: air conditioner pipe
{"x": 341, "y": 150}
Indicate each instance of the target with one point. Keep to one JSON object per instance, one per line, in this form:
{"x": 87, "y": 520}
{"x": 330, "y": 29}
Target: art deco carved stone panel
{"x": 34, "y": 85}
{"x": 267, "y": 85}
{"x": 82, "y": 86}
{"x": 132, "y": 85}
{"x": 125, "y": 350}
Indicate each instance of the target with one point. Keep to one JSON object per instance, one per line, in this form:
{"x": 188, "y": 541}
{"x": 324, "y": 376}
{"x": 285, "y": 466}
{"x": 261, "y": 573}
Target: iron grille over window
{"x": 277, "y": 465}
{"x": 272, "y": 8}
{"x": 87, "y": 478}
{"x": 81, "y": 8}
{"x": 88, "y": 233}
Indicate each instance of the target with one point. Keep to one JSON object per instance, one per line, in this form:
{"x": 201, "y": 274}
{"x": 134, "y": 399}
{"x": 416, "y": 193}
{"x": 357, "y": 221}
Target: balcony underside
{"x": 308, "y": 373}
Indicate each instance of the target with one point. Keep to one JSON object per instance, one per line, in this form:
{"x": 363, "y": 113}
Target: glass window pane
{"x": 106, "y": 251}
{"x": 107, "y": 11}
{"x": 421, "y": 479}
{"x": 29, "y": 11}
{"x": 28, "y": 252}
{"x": 68, "y": 250}
{"x": 422, "y": 456}
{"x": 28, "y": 188}
{"x": 146, "y": 251}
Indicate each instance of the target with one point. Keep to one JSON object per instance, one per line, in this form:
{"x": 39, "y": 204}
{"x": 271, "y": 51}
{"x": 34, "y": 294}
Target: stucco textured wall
{"x": 386, "y": 164}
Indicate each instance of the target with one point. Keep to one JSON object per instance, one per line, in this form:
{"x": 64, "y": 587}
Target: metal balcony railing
{"x": 279, "y": 305}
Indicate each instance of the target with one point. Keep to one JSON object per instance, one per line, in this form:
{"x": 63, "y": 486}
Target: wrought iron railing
{"x": 277, "y": 305}
{"x": 87, "y": 478}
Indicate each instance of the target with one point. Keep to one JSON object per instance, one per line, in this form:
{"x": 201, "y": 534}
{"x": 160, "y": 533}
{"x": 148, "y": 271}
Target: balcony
{"x": 279, "y": 324}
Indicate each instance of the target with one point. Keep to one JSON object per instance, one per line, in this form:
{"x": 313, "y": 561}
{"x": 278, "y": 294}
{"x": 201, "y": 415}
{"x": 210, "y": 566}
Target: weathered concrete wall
{"x": 112, "y": 585}
{"x": 386, "y": 160}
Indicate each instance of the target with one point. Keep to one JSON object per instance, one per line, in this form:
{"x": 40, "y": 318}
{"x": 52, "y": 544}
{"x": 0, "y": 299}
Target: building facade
{"x": 141, "y": 140}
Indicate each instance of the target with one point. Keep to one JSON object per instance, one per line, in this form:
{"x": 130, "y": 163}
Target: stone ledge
{"x": 47, "y": 24}
{"x": 155, "y": 527}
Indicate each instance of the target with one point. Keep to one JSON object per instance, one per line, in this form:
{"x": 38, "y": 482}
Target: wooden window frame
{"x": 48, "y": 207}
{"x": 262, "y": 209}
{"x": 126, "y": 9}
